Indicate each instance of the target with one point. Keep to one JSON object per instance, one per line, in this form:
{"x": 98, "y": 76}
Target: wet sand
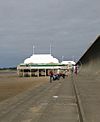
{"x": 11, "y": 84}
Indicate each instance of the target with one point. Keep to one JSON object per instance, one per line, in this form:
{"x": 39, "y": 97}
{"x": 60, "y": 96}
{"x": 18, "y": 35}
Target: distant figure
{"x": 67, "y": 72}
{"x": 76, "y": 68}
{"x": 63, "y": 75}
{"x": 51, "y": 76}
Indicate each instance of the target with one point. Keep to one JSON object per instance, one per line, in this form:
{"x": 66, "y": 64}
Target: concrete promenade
{"x": 62, "y": 107}
{"x": 88, "y": 86}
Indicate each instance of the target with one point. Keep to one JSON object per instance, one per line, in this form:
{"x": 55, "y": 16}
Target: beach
{"x": 11, "y": 84}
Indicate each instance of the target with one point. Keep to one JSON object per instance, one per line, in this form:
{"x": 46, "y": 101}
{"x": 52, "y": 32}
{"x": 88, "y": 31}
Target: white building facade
{"x": 38, "y": 65}
{"x": 41, "y": 65}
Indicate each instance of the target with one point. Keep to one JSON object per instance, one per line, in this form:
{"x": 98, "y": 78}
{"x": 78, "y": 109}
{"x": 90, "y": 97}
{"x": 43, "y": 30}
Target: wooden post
{"x": 38, "y": 72}
{"x": 45, "y": 72}
{"x": 30, "y": 72}
{"x": 18, "y": 72}
{"x": 23, "y": 73}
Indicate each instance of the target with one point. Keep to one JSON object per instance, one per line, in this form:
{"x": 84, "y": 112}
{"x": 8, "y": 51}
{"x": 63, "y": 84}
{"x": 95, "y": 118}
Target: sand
{"x": 11, "y": 84}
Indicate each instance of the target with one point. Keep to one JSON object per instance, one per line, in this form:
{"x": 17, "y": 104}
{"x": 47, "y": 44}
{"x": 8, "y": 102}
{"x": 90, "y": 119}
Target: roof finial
{"x": 62, "y": 58}
{"x": 33, "y": 49}
{"x": 50, "y": 49}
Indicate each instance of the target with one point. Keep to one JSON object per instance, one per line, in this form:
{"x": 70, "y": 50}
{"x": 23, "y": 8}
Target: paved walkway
{"x": 88, "y": 86}
{"x": 62, "y": 105}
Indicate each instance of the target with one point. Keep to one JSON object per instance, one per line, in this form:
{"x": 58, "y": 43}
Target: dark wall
{"x": 92, "y": 55}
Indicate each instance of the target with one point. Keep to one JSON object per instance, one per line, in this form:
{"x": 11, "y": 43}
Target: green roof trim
{"x": 35, "y": 65}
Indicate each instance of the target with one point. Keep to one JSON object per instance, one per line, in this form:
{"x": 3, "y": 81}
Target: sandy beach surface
{"x": 11, "y": 84}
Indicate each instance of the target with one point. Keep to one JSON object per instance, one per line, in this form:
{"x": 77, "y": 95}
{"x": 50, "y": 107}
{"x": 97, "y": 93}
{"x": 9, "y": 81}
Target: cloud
{"x": 70, "y": 25}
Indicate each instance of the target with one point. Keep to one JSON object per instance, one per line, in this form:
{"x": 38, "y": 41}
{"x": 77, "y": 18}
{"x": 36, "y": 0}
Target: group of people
{"x": 55, "y": 76}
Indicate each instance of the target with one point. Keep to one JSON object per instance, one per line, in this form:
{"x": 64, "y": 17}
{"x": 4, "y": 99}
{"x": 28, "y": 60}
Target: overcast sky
{"x": 70, "y": 26}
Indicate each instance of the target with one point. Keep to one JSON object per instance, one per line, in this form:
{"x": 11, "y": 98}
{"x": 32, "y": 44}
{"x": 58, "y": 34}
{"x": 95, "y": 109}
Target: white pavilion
{"x": 39, "y": 65}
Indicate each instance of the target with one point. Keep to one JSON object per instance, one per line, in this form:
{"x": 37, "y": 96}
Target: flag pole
{"x": 33, "y": 49}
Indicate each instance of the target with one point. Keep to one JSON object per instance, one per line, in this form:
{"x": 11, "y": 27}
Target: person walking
{"x": 76, "y": 68}
{"x": 51, "y": 76}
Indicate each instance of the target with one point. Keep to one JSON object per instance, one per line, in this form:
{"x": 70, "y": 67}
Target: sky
{"x": 69, "y": 26}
